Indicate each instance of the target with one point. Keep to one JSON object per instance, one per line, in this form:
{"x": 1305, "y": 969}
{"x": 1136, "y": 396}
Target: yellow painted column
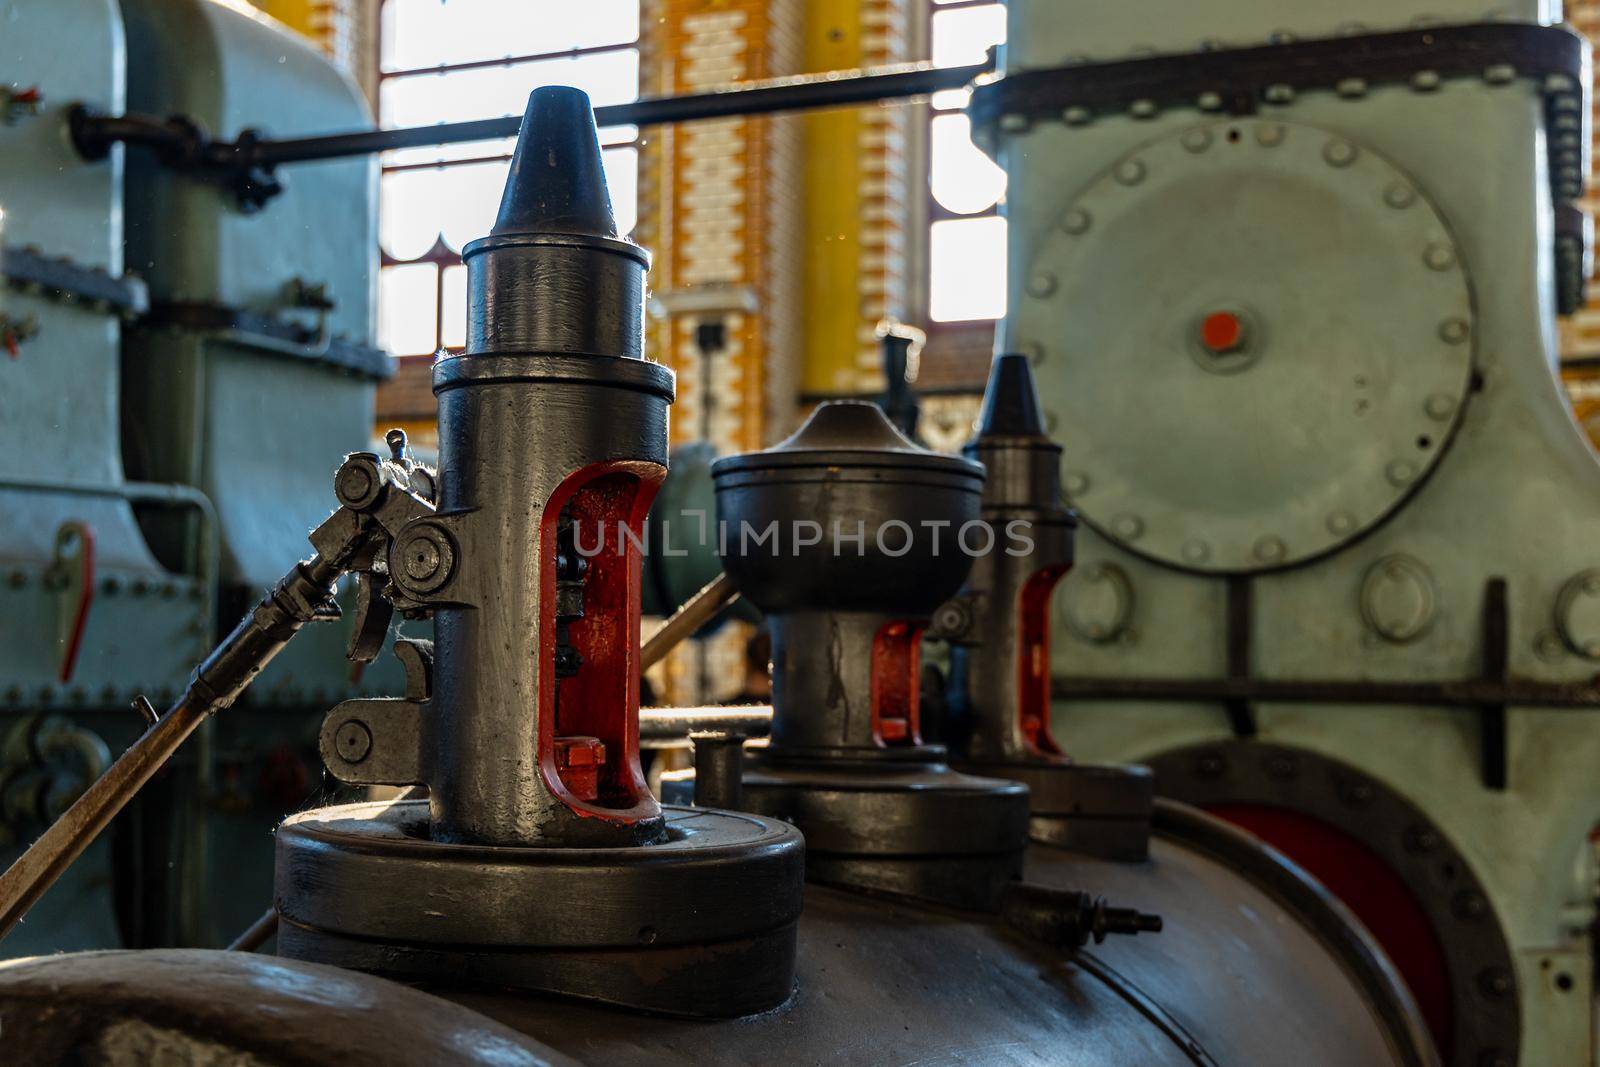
{"x": 856, "y": 187}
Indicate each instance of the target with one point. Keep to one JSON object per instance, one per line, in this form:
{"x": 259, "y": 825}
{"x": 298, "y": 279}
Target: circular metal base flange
{"x": 1097, "y": 809}
{"x": 701, "y": 924}
{"x": 914, "y": 829}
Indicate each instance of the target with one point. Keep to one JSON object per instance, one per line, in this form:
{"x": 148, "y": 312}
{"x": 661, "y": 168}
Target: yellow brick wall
{"x": 718, "y": 207}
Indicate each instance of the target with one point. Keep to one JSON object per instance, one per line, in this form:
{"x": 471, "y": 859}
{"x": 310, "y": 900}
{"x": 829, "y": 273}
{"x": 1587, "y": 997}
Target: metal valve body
{"x": 540, "y": 860}
{"x": 866, "y": 528}
{"x": 999, "y": 694}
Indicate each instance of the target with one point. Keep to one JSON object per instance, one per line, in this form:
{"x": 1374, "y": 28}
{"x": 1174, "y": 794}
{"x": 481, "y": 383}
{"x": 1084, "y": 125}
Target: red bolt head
{"x": 1222, "y": 332}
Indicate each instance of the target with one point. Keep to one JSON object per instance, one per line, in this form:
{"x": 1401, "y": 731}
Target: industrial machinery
{"x": 539, "y": 885}
{"x": 1290, "y": 298}
{"x": 159, "y": 457}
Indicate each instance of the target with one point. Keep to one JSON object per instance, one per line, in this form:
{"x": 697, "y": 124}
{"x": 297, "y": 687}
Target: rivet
{"x": 1196, "y": 551}
{"x": 1549, "y": 646}
{"x": 1282, "y": 766}
{"x": 1269, "y": 134}
{"x": 1421, "y": 840}
{"x": 1425, "y": 81}
{"x": 1400, "y": 472}
{"x": 1042, "y": 284}
{"x": 1339, "y": 153}
{"x": 1127, "y": 527}
{"x": 111, "y": 586}
{"x": 1454, "y": 331}
{"x": 1130, "y": 172}
{"x": 1075, "y": 482}
{"x": 1495, "y": 982}
{"x": 17, "y": 578}
{"x": 1439, "y": 406}
{"x": 1356, "y": 793}
{"x": 1399, "y": 195}
{"x": 1014, "y": 123}
{"x": 1500, "y": 74}
{"x": 1341, "y": 522}
{"x": 1439, "y": 257}
{"x": 1076, "y": 221}
{"x": 140, "y": 587}
{"x": 1278, "y": 94}
{"x": 1076, "y": 116}
{"x": 1270, "y": 549}
{"x": 1209, "y": 101}
{"x": 1142, "y": 109}
{"x": 1351, "y": 88}
{"x": 1197, "y": 139}
{"x": 1469, "y": 904}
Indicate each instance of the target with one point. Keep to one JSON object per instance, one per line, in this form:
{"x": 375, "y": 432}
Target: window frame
{"x": 440, "y": 255}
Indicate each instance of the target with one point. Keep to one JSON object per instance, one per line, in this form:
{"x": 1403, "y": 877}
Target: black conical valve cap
{"x": 556, "y": 183}
{"x": 1010, "y": 403}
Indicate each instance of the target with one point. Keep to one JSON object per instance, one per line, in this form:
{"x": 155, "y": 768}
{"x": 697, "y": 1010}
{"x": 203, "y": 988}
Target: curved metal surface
{"x": 1254, "y": 959}
{"x": 881, "y": 980}
{"x": 199, "y": 1006}
{"x": 1484, "y": 1010}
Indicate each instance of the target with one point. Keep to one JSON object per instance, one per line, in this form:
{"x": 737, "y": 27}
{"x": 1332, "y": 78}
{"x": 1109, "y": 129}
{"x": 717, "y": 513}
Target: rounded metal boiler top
{"x": 1261, "y": 334}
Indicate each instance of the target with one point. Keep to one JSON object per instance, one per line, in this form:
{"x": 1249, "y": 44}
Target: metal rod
{"x": 698, "y": 610}
{"x": 1469, "y": 694}
{"x": 182, "y": 142}
{"x": 676, "y": 724}
{"x": 256, "y": 934}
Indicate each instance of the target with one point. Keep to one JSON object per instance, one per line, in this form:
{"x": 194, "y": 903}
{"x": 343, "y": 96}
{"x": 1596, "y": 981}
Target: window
{"x": 967, "y": 238}
{"x": 452, "y": 60}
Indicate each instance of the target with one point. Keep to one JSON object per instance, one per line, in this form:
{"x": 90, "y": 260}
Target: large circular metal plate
{"x": 1255, "y": 338}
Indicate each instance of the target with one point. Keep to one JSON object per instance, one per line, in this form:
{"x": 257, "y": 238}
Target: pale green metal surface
{"x": 1516, "y": 495}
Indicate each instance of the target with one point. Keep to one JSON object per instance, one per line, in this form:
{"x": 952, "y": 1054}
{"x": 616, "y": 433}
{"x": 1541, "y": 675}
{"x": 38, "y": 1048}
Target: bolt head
{"x": 353, "y": 741}
{"x": 1222, "y": 332}
{"x": 422, "y": 558}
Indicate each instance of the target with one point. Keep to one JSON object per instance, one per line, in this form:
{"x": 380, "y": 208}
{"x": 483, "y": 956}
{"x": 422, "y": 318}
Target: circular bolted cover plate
{"x": 1345, "y": 366}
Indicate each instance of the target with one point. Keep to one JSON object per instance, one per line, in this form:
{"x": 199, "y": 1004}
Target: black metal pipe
{"x": 1468, "y": 694}
{"x": 180, "y": 140}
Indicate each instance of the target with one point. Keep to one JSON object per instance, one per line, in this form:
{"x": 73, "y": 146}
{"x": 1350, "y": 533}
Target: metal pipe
{"x": 718, "y": 769}
{"x": 698, "y": 610}
{"x": 676, "y": 724}
{"x": 1471, "y": 693}
{"x": 183, "y": 143}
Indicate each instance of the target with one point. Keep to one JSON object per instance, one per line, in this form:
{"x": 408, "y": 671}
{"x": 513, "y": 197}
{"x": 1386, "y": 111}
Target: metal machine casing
{"x": 1513, "y": 491}
{"x": 253, "y": 311}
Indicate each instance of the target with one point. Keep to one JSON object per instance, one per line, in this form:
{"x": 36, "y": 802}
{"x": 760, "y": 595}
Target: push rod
{"x": 183, "y": 143}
